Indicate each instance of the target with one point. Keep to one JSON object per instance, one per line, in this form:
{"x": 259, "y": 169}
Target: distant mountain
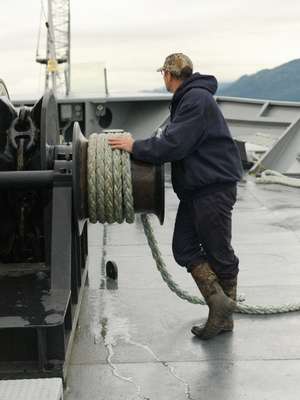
{"x": 280, "y": 83}
{"x": 223, "y": 86}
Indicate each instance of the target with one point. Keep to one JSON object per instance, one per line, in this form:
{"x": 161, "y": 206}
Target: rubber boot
{"x": 229, "y": 287}
{"x": 220, "y": 306}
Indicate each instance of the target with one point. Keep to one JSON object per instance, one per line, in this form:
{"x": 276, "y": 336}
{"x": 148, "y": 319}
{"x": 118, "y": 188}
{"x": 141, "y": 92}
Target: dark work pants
{"x": 203, "y": 233}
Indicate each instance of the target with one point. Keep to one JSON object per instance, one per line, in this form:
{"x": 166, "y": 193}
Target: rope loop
{"x": 110, "y": 200}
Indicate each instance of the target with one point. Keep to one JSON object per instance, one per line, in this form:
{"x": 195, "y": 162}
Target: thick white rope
{"x": 161, "y": 266}
{"x": 270, "y": 176}
{"x": 110, "y": 196}
{"x": 110, "y": 200}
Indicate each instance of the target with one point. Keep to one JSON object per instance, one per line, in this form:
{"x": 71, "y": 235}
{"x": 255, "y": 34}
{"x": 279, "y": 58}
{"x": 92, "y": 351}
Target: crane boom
{"x": 57, "y": 52}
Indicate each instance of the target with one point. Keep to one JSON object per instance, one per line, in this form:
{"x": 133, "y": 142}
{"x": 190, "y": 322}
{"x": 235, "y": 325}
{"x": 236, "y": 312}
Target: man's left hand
{"x": 121, "y": 143}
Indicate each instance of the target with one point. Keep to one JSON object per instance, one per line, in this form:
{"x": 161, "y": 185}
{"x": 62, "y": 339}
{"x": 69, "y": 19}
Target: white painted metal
{"x": 32, "y": 389}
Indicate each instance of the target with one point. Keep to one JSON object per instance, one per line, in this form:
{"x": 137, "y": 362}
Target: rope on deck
{"x": 270, "y": 176}
{"x": 110, "y": 200}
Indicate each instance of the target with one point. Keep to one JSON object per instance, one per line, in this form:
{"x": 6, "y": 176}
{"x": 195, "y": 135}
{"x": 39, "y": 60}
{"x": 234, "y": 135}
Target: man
{"x": 205, "y": 169}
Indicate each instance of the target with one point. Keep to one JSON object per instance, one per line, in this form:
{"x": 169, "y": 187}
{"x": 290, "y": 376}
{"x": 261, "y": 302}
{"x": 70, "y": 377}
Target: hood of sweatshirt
{"x": 207, "y": 82}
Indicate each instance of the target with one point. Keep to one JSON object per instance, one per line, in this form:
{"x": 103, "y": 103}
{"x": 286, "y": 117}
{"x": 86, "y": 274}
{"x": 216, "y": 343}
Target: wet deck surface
{"x": 134, "y": 341}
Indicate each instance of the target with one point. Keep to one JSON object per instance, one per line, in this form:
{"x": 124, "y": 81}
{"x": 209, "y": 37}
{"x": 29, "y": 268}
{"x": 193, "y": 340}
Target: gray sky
{"x": 227, "y": 38}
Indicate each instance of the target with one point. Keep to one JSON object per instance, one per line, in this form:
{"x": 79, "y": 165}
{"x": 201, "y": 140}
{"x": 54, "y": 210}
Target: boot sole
{"x": 196, "y": 332}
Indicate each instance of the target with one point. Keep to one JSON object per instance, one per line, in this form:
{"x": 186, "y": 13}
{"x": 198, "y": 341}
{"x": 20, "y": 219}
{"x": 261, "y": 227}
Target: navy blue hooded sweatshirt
{"x": 197, "y": 141}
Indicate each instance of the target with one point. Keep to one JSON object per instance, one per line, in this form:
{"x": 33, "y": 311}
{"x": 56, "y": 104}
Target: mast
{"x": 57, "y": 52}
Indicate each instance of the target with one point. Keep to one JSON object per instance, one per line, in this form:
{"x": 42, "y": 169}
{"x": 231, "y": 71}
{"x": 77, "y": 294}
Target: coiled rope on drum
{"x": 110, "y": 200}
{"x": 110, "y": 196}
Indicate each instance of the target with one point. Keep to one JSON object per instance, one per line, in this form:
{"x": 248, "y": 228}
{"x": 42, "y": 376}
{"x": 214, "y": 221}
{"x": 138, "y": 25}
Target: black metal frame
{"x": 39, "y": 304}
{"x": 38, "y": 321}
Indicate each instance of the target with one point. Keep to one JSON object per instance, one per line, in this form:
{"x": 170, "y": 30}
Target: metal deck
{"x": 134, "y": 342}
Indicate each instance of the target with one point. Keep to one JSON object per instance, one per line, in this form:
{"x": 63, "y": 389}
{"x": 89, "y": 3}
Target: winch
{"x": 44, "y": 234}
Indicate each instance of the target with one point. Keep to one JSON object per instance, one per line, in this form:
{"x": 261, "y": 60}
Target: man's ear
{"x": 168, "y": 75}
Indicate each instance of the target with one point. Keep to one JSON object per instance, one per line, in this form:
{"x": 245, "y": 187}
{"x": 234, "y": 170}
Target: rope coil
{"x": 110, "y": 196}
{"x": 110, "y": 200}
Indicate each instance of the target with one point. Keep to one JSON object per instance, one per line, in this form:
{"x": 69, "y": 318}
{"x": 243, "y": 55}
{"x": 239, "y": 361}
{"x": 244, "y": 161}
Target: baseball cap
{"x": 176, "y": 62}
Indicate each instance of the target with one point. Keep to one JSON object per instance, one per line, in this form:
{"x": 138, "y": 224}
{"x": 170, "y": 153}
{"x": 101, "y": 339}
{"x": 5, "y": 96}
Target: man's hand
{"x": 121, "y": 143}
